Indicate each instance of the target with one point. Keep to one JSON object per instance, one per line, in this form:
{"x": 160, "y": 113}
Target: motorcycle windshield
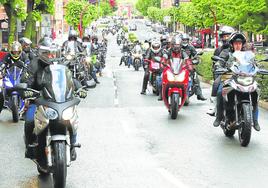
{"x": 59, "y": 85}
{"x": 13, "y": 75}
{"x": 244, "y": 63}
{"x": 176, "y": 65}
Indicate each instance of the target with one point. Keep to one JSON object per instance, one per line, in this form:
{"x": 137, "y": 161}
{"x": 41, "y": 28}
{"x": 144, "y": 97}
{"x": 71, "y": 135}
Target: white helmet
{"x": 226, "y": 30}
{"x": 156, "y": 45}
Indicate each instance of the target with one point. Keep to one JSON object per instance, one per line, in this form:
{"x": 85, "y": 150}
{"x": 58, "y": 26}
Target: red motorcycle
{"x": 175, "y": 82}
{"x": 155, "y": 67}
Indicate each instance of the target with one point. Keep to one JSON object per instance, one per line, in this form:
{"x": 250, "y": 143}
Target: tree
{"x": 15, "y": 9}
{"x": 106, "y": 8}
{"x": 75, "y": 9}
{"x": 143, "y": 5}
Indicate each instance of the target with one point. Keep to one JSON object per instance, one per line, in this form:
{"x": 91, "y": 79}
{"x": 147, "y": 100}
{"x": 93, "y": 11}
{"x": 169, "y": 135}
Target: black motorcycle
{"x": 56, "y": 121}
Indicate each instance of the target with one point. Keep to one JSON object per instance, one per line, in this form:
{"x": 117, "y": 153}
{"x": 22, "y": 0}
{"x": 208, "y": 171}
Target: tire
{"x": 245, "y": 131}
{"x": 60, "y": 167}
{"x": 14, "y": 108}
{"x": 174, "y": 105}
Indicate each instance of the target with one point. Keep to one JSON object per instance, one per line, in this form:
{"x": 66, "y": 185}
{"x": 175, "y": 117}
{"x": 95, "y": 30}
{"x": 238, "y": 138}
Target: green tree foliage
{"x": 249, "y": 15}
{"x": 143, "y": 5}
{"x": 89, "y": 12}
{"x": 105, "y": 8}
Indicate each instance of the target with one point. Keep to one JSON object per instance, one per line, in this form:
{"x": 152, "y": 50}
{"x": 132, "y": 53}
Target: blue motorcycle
{"x": 10, "y": 89}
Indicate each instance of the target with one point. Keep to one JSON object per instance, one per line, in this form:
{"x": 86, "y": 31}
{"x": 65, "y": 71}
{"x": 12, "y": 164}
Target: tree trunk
{"x": 12, "y": 22}
{"x": 29, "y": 20}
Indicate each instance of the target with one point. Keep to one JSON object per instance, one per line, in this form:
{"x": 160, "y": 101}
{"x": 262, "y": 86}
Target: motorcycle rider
{"x": 154, "y": 51}
{"x": 87, "y": 44}
{"x": 72, "y": 43}
{"x": 15, "y": 55}
{"x": 191, "y": 52}
{"x": 26, "y": 47}
{"x": 225, "y": 33}
{"x": 237, "y": 41}
{"x": 46, "y": 50}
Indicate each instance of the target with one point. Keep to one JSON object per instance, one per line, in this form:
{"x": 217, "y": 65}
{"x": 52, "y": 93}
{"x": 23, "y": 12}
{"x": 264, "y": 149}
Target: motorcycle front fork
{"x": 48, "y": 149}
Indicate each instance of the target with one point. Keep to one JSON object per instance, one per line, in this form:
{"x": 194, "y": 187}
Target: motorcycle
{"x": 175, "y": 82}
{"x": 137, "y": 59}
{"x": 155, "y": 67}
{"x": 240, "y": 91}
{"x": 55, "y": 120}
{"x": 9, "y": 92}
{"x": 118, "y": 40}
{"x": 124, "y": 58}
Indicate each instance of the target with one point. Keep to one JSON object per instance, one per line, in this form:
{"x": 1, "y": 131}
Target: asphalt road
{"x": 129, "y": 140}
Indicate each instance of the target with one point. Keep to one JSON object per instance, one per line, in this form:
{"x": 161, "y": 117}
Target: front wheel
{"x": 245, "y": 130}
{"x": 174, "y": 105}
{"x": 60, "y": 166}
{"x": 14, "y": 108}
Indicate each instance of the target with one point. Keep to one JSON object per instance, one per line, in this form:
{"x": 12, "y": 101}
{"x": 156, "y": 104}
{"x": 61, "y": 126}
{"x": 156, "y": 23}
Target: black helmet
{"x": 236, "y": 36}
{"x": 47, "y": 50}
{"x": 163, "y": 38}
{"x": 86, "y": 37}
{"x": 26, "y": 44}
{"x": 72, "y": 35}
{"x": 15, "y": 50}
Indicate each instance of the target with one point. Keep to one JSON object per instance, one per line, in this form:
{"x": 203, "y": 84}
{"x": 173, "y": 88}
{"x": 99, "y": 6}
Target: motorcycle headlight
{"x": 8, "y": 83}
{"x": 69, "y": 57}
{"x": 176, "y": 78}
{"x": 68, "y": 113}
{"x": 245, "y": 81}
{"x": 51, "y": 113}
{"x": 88, "y": 59}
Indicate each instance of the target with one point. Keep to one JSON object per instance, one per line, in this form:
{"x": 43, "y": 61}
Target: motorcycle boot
{"x": 145, "y": 83}
{"x": 219, "y": 114}
{"x": 212, "y": 109}
{"x": 198, "y": 90}
{"x": 160, "y": 98}
{"x": 256, "y": 125}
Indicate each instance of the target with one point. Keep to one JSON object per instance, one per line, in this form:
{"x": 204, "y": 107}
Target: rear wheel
{"x": 15, "y": 108}
{"x": 60, "y": 167}
{"x": 174, "y": 105}
{"x": 245, "y": 130}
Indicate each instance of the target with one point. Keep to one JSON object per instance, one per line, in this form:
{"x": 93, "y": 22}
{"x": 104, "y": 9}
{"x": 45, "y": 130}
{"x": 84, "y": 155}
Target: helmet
{"x": 176, "y": 44}
{"x": 15, "y": 50}
{"x": 226, "y": 30}
{"x": 185, "y": 40}
{"x": 86, "y": 37}
{"x": 26, "y": 44}
{"x": 72, "y": 35}
{"x": 163, "y": 38}
{"x": 94, "y": 38}
{"x": 156, "y": 45}
{"x": 236, "y": 36}
{"x": 47, "y": 50}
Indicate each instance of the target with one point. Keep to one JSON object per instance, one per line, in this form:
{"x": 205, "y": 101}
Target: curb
{"x": 262, "y": 104}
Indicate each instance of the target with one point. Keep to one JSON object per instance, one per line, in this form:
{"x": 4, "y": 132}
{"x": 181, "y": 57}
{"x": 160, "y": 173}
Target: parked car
{"x": 197, "y": 43}
{"x": 148, "y": 23}
{"x": 133, "y": 27}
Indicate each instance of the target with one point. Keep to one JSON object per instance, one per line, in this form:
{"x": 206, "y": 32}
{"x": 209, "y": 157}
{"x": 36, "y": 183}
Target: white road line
{"x": 172, "y": 179}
